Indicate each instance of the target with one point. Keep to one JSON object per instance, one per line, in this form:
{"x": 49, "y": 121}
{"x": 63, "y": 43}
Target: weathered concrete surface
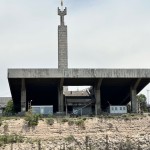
{"x": 60, "y": 96}
{"x": 62, "y": 47}
{"x": 78, "y": 73}
{"x": 134, "y": 105}
{"x": 97, "y": 93}
{"x": 23, "y": 96}
{"x": 115, "y": 86}
{"x": 62, "y": 41}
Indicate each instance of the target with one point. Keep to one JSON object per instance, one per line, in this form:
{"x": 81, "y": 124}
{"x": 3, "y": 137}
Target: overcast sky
{"x": 101, "y": 34}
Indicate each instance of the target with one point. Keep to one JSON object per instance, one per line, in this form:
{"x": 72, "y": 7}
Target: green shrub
{"x": 110, "y": 126}
{"x": 80, "y": 123}
{"x": 127, "y": 118}
{"x": 124, "y": 115}
{"x": 64, "y": 120}
{"x": 70, "y": 122}
{"x": 5, "y": 127}
{"x": 50, "y": 116}
{"x": 9, "y": 110}
{"x": 84, "y": 119}
{"x": 40, "y": 116}
{"x": 7, "y": 139}
{"x": 135, "y": 118}
{"x": 1, "y": 122}
{"x": 32, "y": 119}
{"x": 70, "y": 138}
{"x": 132, "y": 115}
{"x": 50, "y": 121}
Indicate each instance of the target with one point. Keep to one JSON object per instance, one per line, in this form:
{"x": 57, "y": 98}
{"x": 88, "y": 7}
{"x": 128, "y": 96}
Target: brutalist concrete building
{"x": 45, "y": 86}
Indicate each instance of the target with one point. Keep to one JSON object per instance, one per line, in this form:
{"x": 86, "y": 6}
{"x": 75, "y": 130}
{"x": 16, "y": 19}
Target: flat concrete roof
{"x": 78, "y": 73}
{"x": 115, "y": 85}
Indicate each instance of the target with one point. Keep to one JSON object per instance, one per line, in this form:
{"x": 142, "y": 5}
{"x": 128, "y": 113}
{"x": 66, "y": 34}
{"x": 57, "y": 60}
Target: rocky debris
{"x": 99, "y": 133}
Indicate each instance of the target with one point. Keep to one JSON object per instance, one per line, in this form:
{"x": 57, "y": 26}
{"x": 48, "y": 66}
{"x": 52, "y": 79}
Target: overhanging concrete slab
{"x": 78, "y": 73}
{"x": 42, "y": 83}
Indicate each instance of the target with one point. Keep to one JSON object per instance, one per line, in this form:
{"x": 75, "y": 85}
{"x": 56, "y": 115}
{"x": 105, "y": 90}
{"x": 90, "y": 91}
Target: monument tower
{"x": 62, "y": 40}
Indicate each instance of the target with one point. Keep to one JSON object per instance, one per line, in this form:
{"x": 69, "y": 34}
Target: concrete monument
{"x": 45, "y": 86}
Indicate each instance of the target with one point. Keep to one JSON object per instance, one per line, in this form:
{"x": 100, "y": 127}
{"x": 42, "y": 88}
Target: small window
{"x": 124, "y": 108}
{"x": 120, "y": 108}
{"x": 115, "y": 108}
{"x": 112, "y": 108}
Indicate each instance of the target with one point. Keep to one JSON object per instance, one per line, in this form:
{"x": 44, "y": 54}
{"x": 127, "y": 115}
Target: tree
{"x": 142, "y": 102}
{"x": 9, "y": 110}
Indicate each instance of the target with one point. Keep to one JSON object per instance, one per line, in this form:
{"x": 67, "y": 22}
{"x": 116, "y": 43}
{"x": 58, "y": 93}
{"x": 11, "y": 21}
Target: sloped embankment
{"x": 80, "y": 133}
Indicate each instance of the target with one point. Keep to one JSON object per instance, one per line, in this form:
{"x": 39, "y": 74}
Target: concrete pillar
{"x": 60, "y": 97}
{"x": 98, "y": 101}
{"x": 134, "y": 104}
{"x": 133, "y": 93}
{"x": 97, "y": 94}
{"x": 23, "y": 96}
{"x": 66, "y": 107}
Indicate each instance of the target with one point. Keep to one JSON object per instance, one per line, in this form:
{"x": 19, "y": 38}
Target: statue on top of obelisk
{"x": 62, "y": 12}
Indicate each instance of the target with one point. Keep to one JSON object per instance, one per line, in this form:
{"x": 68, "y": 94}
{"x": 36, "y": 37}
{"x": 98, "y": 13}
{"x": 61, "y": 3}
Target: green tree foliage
{"x": 9, "y": 110}
{"x": 142, "y": 102}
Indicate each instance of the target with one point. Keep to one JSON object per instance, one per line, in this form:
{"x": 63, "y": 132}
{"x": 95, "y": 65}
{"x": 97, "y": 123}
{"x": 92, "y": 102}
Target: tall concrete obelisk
{"x": 62, "y": 55}
{"x": 62, "y": 40}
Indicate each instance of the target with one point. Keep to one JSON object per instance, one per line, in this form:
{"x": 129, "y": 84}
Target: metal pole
{"x": 148, "y": 97}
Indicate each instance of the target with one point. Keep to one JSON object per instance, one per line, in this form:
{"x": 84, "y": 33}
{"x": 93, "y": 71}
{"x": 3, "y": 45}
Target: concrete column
{"x": 60, "y": 97}
{"x": 23, "y": 96}
{"x": 97, "y": 94}
{"x": 66, "y": 107}
{"x": 133, "y": 93}
{"x": 134, "y": 104}
{"x": 98, "y": 101}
